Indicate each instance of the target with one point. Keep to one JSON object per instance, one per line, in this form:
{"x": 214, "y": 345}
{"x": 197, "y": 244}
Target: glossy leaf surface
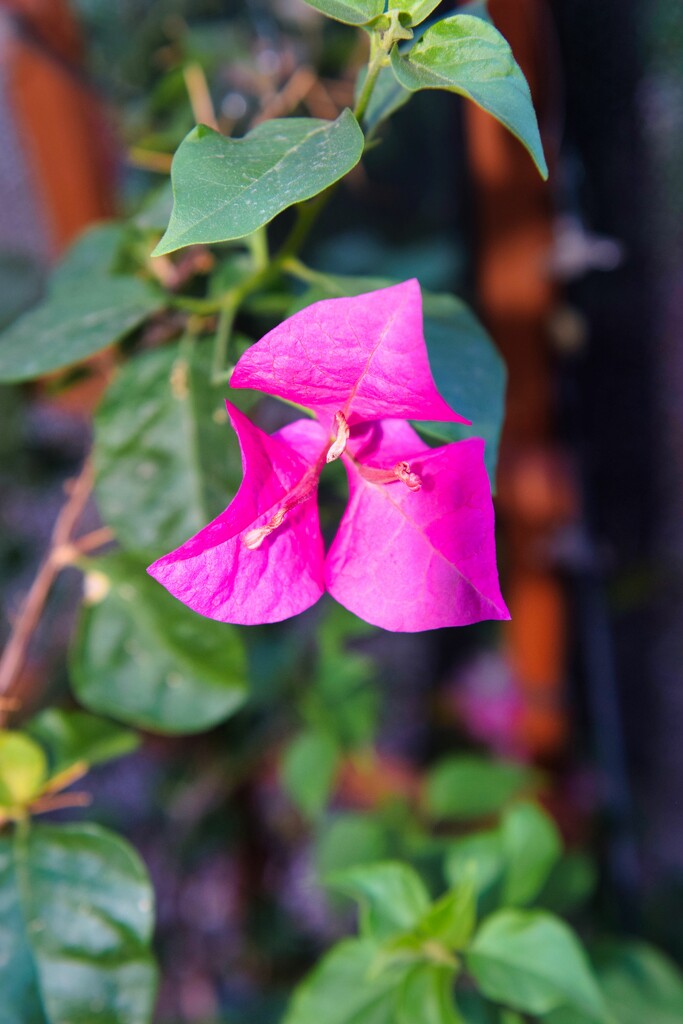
{"x": 75, "y": 928}
{"x": 467, "y": 55}
{"x": 142, "y": 657}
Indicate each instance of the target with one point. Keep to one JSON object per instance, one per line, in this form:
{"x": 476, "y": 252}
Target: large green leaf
{"x": 460, "y": 788}
{"x": 226, "y": 188}
{"x": 417, "y": 9}
{"x": 76, "y": 911}
{"x": 469, "y": 372}
{"x": 391, "y": 895}
{"x": 351, "y": 12}
{"x": 531, "y": 961}
{"x": 143, "y": 657}
{"x": 343, "y": 990}
{"x": 73, "y": 736}
{"x": 166, "y": 461}
{"x": 532, "y": 846}
{"x": 86, "y": 309}
{"x": 467, "y": 55}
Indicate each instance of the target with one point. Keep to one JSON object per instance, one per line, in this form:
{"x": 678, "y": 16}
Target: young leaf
{"x": 391, "y": 895}
{"x": 142, "y": 657}
{"x": 467, "y": 55}
{"x": 450, "y": 920}
{"x": 342, "y": 990}
{"x": 164, "y": 456}
{"x": 426, "y": 996}
{"x": 75, "y": 928}
{"x": 417, "y": 9}
{"x": 350, "y": 12}
{"x": 531, "y": 961}
{"x": 86, "y": 309}
{"x": 226, "y": 188}
{"x": 308, "y": 770}
{"x": 23, "y": 769}
{"x": 478, "y": 856}
{"x": 459, "y": 788}
{"x": 531, "y": 846}
{"x": 73, "y": 736}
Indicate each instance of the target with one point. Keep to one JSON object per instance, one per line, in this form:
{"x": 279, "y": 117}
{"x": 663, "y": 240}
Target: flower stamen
{"x": 338, "y": 446}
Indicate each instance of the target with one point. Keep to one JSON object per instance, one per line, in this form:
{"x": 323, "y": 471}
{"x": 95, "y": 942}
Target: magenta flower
{"x": 415, "y": 548}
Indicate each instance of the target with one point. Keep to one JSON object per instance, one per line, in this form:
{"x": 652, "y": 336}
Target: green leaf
{"x": 75, "y": 927}
{"x": 23, "y": 769}
{"x": 460, "y": 788}
{"x": 532, "y": 846}
{"x": 86, "y": 309}
{"x": 350, "y": 12}
{"x": 531, "y": 961}
{"x": 73, "y": 736}
{"x": 469, "y": 372}
{"x": 417, "y": 9}
{"x": 143, "y": 657}
{"x": 571, "y": 883}
{"x": 478, "y": 856}
{"x": 308, "y": 771}
{"x": 342, "y": 990}
{"x": 426, "y": 996}
{"x": 166, "y": 461}
{"x": 391, "y": 895}
{"x": 451, "y": 919}
{"x": 640, "y": 984}
{"x": 226, "y": 188}
{"x": 387, "y": 97}
{"x": 347, "y": 841}
{"x": 467, "y": 55}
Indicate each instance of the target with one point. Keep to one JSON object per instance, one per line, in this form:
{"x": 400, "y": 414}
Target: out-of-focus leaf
{"x": 478, "y": 856}
{"x": 143, "y": 657}
{"x": 342, "y": 990}
{"x": 87, "y": 308}
{"x": 451, "y": 919}
{"x": 75, "y": 928}
{"x": 460, "y": 788}
{"x": 73, "y": 736}
{"x": 571, "y": 883}
{"x": 166, "y": 460}
{"x": 227, "y": 188}
{"x": 531, "y": 961}
{"x": 426, "y": 996}
{"x": 23, "y": 769}
{"x": 468, "y": 55}
{"x": 640, "y": 984}
{"x": 531, "y": 846}
{"x": 348, "y": 840}
{"x": 350, "y": 12}
{"x": 391, "y": 896}
{"x": 308, "y": 770}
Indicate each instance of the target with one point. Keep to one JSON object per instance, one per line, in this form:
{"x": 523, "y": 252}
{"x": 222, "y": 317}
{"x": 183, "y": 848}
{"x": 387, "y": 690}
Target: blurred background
{"x": 580, "y": 282}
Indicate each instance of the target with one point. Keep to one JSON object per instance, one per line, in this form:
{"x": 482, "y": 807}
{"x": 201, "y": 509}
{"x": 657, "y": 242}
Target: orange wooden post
{"x": 517, "y": 295}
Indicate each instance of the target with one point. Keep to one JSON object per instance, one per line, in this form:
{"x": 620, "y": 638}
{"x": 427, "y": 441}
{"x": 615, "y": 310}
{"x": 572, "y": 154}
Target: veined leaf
{"x": 143, "y": 657}
{"x": 75, "y": 927}
{"x": 87, "y": 308}
{"x": 467, "y": 55}
{"x": 350, "y": 12}
{"x": 226, "y": 188}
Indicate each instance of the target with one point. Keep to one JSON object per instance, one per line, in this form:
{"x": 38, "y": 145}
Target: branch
{"x": 61, "y": 546}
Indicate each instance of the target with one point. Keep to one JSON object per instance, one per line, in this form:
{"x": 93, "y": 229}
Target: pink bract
{"x": 415, "y": 549}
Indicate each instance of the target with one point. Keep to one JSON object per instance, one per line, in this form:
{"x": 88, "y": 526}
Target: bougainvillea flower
{"x": 415, "y": 548}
